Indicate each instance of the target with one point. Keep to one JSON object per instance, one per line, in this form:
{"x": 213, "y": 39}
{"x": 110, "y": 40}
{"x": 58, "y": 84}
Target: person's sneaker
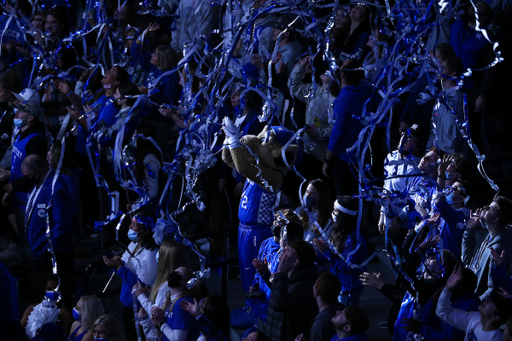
{"x": 205, "y": 247}
{"x": 383, "y": 325}
{"x": 11, "y": 252}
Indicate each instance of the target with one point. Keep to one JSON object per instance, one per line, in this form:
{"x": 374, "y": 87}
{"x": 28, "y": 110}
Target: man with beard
{"x": 350, "y": 324}
{"x": 494, "y": 218}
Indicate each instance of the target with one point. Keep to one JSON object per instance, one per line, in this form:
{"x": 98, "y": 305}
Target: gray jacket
{"x": 478, "y": 257}
{"x": 317, "y": 111}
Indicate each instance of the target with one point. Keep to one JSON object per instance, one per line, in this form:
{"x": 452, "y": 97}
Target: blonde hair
{"x": 172, "y": 255}
{"x": 112, "y": 326}
{"x": 91, "y": 309}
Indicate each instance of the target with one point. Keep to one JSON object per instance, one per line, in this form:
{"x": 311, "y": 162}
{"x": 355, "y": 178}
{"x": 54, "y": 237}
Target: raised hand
{"x": 454, "y": 279}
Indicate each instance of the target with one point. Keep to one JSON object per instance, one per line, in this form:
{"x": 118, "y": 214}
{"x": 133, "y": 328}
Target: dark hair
{"x": 444, "y": 50}
{"x": 504, "y": 210}
{"x": 128, "y": 89}
{"x": 503, "y": 305}
{"x": 467, "y": 286}
{"x": 454, "y": 64}
{"x": 294, "y": 232}
{"x": 357, "y": 319}
{"x": 217, "y": 311}
{"x": 305, "y": 253}
{"x": 460, "y": 162}
{"x": 61, "y": 18}
{"x": 329, "y": 287}
{"x": 167, "y": 57}
{"x": 325, "y": 205}
{"x": 10, "y": 82}
{"x": 122, "y": 75}
{"x": 346, "y": 223}
{"x": 67, "y": 162}
{"x": 488, "y": 15}
{"x": 364, "y": 26}
{"x": 351, "y": 72}
{"x": 147, "y": 240}
{"x": 288, "y": 214}
{"x": 145, "y": 147}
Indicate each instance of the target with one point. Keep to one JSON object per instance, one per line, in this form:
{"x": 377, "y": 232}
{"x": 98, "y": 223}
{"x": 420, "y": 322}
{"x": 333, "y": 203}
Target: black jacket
{"x": 292, "y": 307}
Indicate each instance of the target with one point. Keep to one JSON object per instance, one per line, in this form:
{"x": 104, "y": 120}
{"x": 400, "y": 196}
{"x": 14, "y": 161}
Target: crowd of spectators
{"x": 143, "y": 124}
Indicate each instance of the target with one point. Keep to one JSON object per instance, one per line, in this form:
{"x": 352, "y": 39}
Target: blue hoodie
{"x": 349, "y": 103}
{"x": 64, "y": 208}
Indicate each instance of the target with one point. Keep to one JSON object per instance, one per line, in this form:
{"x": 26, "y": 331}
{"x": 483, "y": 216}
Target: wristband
{"x": 69, "y": 93}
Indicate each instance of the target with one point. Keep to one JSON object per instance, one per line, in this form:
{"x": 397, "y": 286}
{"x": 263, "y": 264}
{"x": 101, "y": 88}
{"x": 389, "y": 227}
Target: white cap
{"x": 28, "y": 94}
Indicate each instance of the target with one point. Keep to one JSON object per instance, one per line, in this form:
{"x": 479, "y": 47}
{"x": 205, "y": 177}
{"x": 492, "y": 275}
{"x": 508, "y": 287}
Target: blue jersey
{"x": 18, "y": 155}
{"x": 256, "y": 205}
{"x": 181, "y": 319}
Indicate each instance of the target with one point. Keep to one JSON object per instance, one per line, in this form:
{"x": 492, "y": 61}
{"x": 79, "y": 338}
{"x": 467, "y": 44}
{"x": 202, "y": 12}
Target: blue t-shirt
{"x": 181, "y": 319}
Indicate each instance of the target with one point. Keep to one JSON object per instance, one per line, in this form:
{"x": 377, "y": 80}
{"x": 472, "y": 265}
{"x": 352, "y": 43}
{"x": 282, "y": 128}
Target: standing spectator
{"x": 138, "y": 264}
{"x": 347, "y": 106}
{"x": 87, "y": 310}
{"x": 494, "y": 218}
{"x": 30, "y": 139}
{"x": 353, "y": 46}
{"x": 349, "y": 247}
{"x": 170, "y": 257}
{"x": 319, "y": 121}
{"x": 444, "y": 133}
{"x": 482, "y": 325}
{"x": 292, "y": 307}
{"x": 53, "y": 196}
{"x": 325, "y": 292}
{"x": 107, "y": 327}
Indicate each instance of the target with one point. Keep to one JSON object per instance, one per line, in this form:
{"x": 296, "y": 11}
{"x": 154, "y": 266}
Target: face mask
{"x": 52, "y": 295}
{"x": 276, "y": 230}
{"x": 18, "y": 122}
{"x": 157, "y": 256}
{"x": 133, "y": 236}
{"x": 174, "y": 280}
{"x": 334, "y": 217}
{"x": 310, "y": 201}
{"x": 107, "y": 86}
{"x": 449, "y": 198}
{"x": 100, "y": 338}
{"x": 76, "y": 314}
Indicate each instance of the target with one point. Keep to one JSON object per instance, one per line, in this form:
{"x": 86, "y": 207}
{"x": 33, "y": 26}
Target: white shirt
{"x": 464, "y": 320}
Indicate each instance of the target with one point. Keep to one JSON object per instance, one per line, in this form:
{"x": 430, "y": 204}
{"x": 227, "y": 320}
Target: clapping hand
{"x": 193, "y": 308}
